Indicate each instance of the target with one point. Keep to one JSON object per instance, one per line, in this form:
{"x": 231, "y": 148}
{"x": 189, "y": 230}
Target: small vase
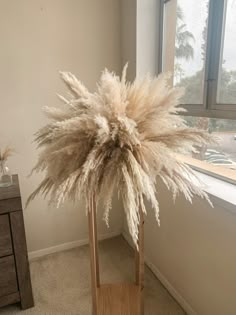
{"x": 5, "y": 175}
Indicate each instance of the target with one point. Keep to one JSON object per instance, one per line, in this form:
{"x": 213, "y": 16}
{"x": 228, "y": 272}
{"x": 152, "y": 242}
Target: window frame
{"x": 216, "y": 25}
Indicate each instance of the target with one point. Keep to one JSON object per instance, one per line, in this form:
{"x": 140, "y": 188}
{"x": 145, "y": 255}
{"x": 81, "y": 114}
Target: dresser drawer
{"x": 5, "y": 236}
{"x": 8, "y": 282}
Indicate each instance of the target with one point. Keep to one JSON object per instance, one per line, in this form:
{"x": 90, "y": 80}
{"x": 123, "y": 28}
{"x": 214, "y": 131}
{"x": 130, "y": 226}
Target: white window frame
{"x": 216, "y": 23}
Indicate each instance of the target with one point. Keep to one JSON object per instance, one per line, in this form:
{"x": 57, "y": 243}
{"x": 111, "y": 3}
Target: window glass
{"x": 227, "y": 73}
{"x": 184, "y": 45}
{"x": 224, "y": 152}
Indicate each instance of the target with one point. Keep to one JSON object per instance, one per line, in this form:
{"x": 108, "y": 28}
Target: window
{"x": 198, "y": 45}
{"x": 184, "y": 49}
{"x": 226, "y": 91}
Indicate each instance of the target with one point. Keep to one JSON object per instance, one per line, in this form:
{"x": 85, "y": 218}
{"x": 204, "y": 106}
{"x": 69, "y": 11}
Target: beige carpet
{"x": 61, "y": 282}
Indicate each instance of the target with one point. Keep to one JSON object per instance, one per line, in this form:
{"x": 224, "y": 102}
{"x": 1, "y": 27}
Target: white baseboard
{"x": 182, "y": 302}
{"x": 34, "y": 255}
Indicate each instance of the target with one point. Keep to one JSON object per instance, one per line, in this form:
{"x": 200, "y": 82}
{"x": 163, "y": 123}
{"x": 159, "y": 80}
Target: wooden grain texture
{"x": 10, "y": 199}
{"x": 8, "y": 281}
{"x": 96, "y": 243}
{"x": 12, "y": 191}
{"x": 118, "y": 299}
{"x": 139, "y": 262}
{"x": 9, "y": 299}
{"x": 10, "y": 205}
{"x": 21, "y": 258}
{"x": 95, "y": 279}
{"x": 5, "y": 236}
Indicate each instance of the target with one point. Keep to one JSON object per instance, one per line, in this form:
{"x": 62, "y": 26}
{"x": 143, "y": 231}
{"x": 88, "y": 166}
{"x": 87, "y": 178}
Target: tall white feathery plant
{"x": 120, "y": 138}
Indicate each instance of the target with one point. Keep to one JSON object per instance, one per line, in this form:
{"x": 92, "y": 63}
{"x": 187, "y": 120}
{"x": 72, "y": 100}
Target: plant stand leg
{"x": 93, "y": 243}
{"x": 139, "y": 262}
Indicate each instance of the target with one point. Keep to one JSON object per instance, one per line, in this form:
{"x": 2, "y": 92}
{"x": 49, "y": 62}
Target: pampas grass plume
{"x": 120, "y": 138}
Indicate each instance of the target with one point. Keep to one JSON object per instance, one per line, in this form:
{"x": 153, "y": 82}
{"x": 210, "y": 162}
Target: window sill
{"x": 226, "y": 175}
{"x": 221, "y": 193}
{"x": 219, "y": 183}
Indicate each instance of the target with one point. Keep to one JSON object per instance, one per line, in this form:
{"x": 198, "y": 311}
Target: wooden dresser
{"x": 15, "y": 283}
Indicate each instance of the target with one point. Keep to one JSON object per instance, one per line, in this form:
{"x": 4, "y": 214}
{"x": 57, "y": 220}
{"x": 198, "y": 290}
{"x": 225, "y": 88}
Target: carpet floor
{"x": 61, "y": 282}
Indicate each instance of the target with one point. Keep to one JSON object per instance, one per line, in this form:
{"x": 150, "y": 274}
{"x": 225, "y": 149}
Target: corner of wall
{"x": 128, "y": 36}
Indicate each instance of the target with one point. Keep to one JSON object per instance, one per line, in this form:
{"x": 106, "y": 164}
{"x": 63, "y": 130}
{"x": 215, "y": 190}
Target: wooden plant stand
{"x": 115, "y": 299}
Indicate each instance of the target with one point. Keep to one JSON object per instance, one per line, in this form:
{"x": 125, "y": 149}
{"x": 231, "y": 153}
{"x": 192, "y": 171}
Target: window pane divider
{"x": 160, "y": 36}
{"x": 213, "y": 52}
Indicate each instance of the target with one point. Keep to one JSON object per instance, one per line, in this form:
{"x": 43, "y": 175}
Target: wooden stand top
{"x": 10, "y": 198}
{"x": 12, "y": 191}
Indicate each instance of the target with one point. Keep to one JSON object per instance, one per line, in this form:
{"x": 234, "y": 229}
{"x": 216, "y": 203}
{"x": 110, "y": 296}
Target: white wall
{"x": 39, "y": 38}
{"x": 147, "y": 32}
{"x": 194, "y": 252}
{"x": 139, "y": 36}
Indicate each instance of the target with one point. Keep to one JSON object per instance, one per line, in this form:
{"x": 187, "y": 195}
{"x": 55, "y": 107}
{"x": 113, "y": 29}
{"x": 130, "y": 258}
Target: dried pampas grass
{"x": 119, "y": 138}
{"x": 6, "y": 153}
